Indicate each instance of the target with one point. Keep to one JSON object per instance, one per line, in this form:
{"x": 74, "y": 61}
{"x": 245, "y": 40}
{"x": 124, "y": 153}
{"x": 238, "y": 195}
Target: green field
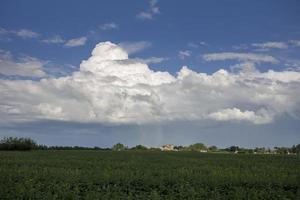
{"x": 89, "y": 174}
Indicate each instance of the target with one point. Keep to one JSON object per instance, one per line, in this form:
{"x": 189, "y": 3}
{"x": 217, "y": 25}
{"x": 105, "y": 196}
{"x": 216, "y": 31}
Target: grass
{"x": 88, "y": 174}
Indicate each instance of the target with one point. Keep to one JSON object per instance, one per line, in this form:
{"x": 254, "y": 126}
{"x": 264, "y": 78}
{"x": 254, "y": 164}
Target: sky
{"x": 151, "y": 72}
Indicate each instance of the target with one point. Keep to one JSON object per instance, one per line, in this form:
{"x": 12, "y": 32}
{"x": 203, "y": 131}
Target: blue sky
{"x": 50, "y": 39}
{"x": 220, "y": 25}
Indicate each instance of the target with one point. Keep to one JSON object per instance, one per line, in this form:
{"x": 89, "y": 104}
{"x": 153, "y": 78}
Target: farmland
{"x": 91, "y": 174}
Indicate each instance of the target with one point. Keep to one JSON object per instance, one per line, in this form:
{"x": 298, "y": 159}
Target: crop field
{"x": 88, "y": 174}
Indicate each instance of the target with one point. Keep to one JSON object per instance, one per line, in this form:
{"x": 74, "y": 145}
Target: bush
{"x": 17, "y": 144}
{"x": 139, "y": 147}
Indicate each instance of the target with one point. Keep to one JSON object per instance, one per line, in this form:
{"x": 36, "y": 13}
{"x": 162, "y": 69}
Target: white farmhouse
{"x": 167, "y": 147}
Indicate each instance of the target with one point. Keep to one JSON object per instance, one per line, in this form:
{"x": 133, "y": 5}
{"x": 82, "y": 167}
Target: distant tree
{"x": 179, "y": 148}
{"x": 139, "y": 147}
{"x": 118, "y": 147}
{"x": 17, "y": 144}
{"x": 197, "y": 147}
{"x": 296, "y": 149}
{"x": 233, "y": 148}
{"x": 283, "y": 150}
{"x": 212, "y": 148}
{"x": 260, "y": 150}
{"x": 42, "y": 147}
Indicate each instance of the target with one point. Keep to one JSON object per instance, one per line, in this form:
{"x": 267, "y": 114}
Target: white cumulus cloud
{"x": 112, "y": 88}
{"x": 236, "y": 114}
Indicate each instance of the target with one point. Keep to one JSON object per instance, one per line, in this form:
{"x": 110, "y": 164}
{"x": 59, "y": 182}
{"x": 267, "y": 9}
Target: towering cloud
{"x": 112, "y": 88}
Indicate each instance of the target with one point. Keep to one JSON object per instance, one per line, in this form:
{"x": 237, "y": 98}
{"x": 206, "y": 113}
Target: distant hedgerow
{"x": 17, "y": 144}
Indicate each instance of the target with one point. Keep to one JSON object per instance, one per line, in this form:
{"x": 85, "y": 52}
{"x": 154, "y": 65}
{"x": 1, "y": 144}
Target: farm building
{"x": 167, "y": 147}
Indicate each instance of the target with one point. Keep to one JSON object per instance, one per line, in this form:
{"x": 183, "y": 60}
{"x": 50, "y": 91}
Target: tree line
{"x": 26, "y": 144}
{"x": 200, "y": 147}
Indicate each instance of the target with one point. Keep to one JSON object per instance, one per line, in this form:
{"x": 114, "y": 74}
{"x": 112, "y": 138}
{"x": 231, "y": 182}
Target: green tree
{"x": 213, "y": 148}
{"x": 282, "y": 150}
{"x": 118, "y": 147}
{"x": 180, "y": 148}
{"x": 233, "y": 148}
{"x": 296, "y": 149}
{"x": 139, "y": 147}
{"x": 17, "y": 144}
{"x": 197, "y": 147}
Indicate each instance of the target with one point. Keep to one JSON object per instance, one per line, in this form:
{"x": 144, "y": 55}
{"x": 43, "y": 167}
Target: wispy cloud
{"x": 135, "y": 47}
{"x": 196, "y": 44}
{"x": 2, "y": 30}
{"x": 239, "y": 56}
{"x": 184, "y": 53}
{"x": 193, "y": 45}
{"x": 25, "y": 66}
{"x": 271, "y": 45}
{"x": 108, "y": 26}
{"x": 295, "y": 42}
{"x": 75, "y": 42}
{"x": 153, "y": 60}
{"x": 292, "y": 64}
{"x": 266, "y": 46}
{"x": 240, "y": 47}
{"x": 56, "y": 39}
{"x": 152, "y": 10}
{"x": 23, "y": 33}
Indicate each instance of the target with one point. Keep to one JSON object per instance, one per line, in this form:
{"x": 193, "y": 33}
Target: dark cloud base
{"x": 222, "y": 134}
